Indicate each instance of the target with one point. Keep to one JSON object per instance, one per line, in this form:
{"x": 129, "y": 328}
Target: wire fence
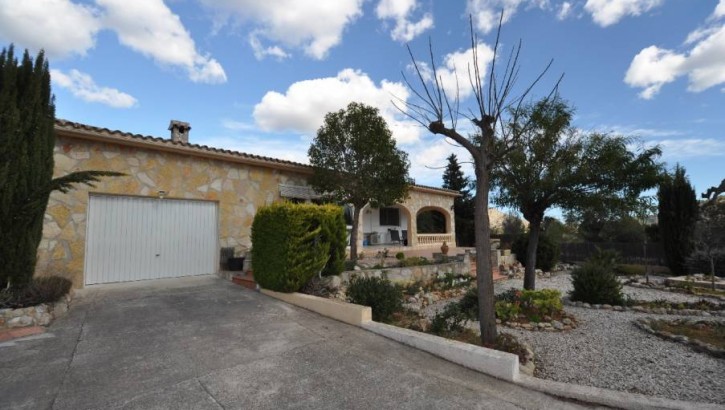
{"x": 634, "y": 253}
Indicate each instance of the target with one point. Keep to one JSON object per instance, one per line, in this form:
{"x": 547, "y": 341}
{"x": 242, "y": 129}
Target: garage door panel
{"x": 132, "y": 238}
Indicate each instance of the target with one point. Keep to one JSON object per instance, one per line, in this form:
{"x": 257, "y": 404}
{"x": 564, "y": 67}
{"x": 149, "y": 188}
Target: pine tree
{"x": 678, "y": 213}
{"x": 455, "y": 180}
{"x": 27, "y": 116}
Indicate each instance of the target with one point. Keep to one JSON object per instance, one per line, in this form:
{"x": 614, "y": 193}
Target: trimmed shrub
{"x": 597, "y": 284}
{"x": 47, "y": 289}
{"x": 547, "y": 251}
{"x": 380, "y": 294}
{"x": 334, "y": 232}
{"x": 400, "y": 256}
{"x": 451, "y": 320}
{"x": 288, "y": 246}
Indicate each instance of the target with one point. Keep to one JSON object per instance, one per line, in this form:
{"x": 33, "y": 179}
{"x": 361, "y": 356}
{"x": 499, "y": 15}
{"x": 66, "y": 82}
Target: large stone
{"x": 44, "y": 319}
{"x": 20, "y": 321}
{"x": 557, "y": 325}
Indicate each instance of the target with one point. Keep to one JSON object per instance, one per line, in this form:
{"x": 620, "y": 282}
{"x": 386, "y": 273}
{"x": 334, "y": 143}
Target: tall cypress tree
{"x": 454, "y": 179}
{"x": 27, "y": 116}
{"x": 678, "y": 212}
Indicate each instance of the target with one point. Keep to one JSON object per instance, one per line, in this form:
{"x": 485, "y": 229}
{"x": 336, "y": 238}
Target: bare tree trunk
{"x": 484, "y": 276}
{"x": 530, "y": 271}
{"x": 353, "y": 234}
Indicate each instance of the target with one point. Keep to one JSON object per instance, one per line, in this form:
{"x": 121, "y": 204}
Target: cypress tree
{"x": 27, "y": 140}
{"x": 454, "y": 179}
{"x": 677, "y": 214}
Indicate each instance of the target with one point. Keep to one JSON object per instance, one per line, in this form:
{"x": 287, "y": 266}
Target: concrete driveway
{"x": 204, "y": 343}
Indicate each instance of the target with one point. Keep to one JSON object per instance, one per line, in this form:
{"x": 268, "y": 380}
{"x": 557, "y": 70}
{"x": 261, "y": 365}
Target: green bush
{"x": 507, "y": 310}
{"x": 629, "y": 270}
{"x": 400, "y": 256}
{"x": 452, "y": 319}
{"x": 541, "y": 302}
{"x": 380, "y": 294}
{"x": 334, "y": 232}
{"x": 289, "y": 245}
{"x": 547, "y": 251}
{"x": 594, "y": 283}
{"x": 47, "y": 289}
{"x": 606, "y": 258}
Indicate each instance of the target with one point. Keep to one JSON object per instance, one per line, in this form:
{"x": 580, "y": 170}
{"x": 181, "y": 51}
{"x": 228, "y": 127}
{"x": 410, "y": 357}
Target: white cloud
{"x": 703, "y": 63}
{"x": 313, "y": 25}
{"x": 639, "y": 131}
{"x": 303, "y": 106}
{"x": 400, "y": 10}
{"x": 60, "y": 27}
{"x": 608, "y": 12}
{"x": 719, "y": 10}
{"x": 427, "y": 158}
{"x": 82, "y": 86}
{"x": 675, "y": 149}
{"x": 260, "y": 51}
{"x": 152, "y": 29}
{"x": 564, "y": 10}
{"x": 453, "y": 74}
{"x": 486, "y": 13}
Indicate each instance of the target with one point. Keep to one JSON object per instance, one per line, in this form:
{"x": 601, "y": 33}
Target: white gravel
{"x": 608, "y": 351}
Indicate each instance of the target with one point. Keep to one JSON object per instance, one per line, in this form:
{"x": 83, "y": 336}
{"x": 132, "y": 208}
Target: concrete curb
{"x": 611, "y": 398}
{"x": 494, "y": 363}
{"x": 349, "y": 313}
{"x": 498, "y": 364}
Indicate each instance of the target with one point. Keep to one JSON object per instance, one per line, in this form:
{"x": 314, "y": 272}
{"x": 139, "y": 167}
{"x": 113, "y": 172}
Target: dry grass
{"x": 712, "y": 333}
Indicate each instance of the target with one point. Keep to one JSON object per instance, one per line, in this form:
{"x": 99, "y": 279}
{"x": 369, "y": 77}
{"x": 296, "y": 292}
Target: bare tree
{"x": 439, "y": 112}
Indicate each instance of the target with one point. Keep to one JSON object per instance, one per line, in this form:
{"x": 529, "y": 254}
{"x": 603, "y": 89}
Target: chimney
{"x": 179, "y": 131}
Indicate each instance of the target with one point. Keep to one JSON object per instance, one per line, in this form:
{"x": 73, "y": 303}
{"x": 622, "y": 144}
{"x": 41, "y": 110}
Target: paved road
{"x": 204, "y": 343}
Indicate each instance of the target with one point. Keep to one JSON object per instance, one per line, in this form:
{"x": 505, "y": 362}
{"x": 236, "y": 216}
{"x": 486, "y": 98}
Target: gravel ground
{"x": 608, "y": 351}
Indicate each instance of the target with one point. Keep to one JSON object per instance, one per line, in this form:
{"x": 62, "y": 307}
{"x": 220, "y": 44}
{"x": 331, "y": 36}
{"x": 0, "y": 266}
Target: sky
{"x": 259, "y": 76}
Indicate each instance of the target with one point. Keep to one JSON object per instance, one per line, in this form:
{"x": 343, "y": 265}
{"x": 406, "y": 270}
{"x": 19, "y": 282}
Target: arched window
{"x": 431, "y": 221}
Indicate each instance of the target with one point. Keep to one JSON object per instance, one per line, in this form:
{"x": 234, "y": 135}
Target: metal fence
{"x": 628, "y": 252}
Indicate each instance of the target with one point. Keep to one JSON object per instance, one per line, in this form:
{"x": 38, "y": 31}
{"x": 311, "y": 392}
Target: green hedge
{"x": 293, "y": 242}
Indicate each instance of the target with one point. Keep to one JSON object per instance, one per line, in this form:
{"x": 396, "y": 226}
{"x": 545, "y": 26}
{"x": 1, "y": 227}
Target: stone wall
{"x": 239, "y": 189}
{"x": 40, "y": 315}
{"x": 411, "y": 273}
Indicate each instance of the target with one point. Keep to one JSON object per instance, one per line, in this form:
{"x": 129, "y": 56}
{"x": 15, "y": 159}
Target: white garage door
{"x": 132, "y": 238}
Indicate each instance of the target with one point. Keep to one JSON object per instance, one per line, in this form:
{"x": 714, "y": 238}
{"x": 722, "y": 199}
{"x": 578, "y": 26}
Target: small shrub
{"x": 451, "y": 320}
{"x": 629, "y": 270}
{"x": 547, "y": 251}
{"x": 606, "y": 258}
{"x": 414, "y": 287}
{"x": 350, "y": 265}
{"x": 506, "y": 311}
{"x": 414, "y": 261}
{"x": 506, "y": 342}
{"x": 380, "y": 294}
{"x": 47, "y": 289}
{"x": 400, "y": 256}
{"x": 511, "y": 295}
{"x": 545, "y": 302}
{"x": 469, "y": 303}
{"x": 596, "y": 284}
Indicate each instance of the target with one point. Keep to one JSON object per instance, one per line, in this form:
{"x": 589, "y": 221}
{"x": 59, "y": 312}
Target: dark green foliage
{"x": 356, "y": 161}
{"x": 289, "y": 245}
{"x": 677, "y": 217}
{"x": 463, "y": 207}
{"x": 709, "y": 254}
{"x": 27, "y": 117}
{"x": 415, "y": 261}
{"x": 431, "y": 221}
{"x": 332, "y": 222}
{"x": 380, "y": 294}
{"x": 400, "y": 256}
{"x": 452, "y": 319}
{"x": 547, "y": 253}
{"x": 606, "y": 258}
{"x": 47, "y": 289}
{"x": 596, "y": 283}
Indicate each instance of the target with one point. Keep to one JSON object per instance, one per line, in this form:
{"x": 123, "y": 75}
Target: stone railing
{"x": 434, "y": 239}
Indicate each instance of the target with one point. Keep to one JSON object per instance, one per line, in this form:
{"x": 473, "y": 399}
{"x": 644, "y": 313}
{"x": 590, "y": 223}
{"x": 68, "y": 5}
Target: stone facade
{"x": 154, "y": 167}
{"x": 239, "y": 189}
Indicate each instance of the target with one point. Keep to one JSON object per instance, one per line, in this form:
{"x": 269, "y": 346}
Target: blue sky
{"x": 258, "y": 76}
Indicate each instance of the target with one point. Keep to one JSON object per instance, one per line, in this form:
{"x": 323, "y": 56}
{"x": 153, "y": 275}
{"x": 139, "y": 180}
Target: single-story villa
{"x": 180, "y": 203}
